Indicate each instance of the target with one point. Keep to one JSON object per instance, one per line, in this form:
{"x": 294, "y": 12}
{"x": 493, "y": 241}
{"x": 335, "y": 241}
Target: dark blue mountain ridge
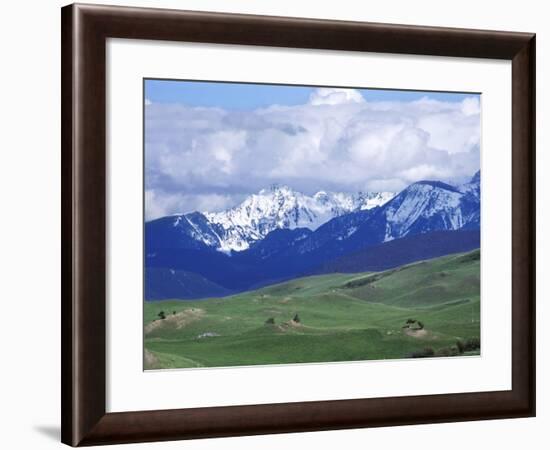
{"x": 403, "y": 251}
{"x": 177, "y": 232}
{"x": 422, "y": 208}
{"x": 162, "y": 283}
{"x": 276, "y": 241}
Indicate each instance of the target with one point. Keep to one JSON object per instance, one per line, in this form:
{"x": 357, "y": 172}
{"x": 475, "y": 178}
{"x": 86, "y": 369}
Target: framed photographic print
{"x": 309, "y": 224}
{"x": 276, "y": 225}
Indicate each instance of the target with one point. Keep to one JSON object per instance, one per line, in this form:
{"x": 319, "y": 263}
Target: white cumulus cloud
{"x": 470, "y": 106}
{"x": 335, "y": 96}
{"x": 206, "y": 159}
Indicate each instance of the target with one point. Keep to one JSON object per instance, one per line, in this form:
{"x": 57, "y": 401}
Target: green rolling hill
{"x": 325, "y": 318}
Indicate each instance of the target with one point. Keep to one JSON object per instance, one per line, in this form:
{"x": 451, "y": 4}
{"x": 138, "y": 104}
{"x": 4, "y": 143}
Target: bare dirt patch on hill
{"x": 150, "y": 360}
{"x": 423, "y": 333}
{"x": 178, "y": 320}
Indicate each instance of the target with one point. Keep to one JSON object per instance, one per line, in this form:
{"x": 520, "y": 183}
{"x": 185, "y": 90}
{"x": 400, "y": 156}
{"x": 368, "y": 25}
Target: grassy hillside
{"x": 340, "y": 317}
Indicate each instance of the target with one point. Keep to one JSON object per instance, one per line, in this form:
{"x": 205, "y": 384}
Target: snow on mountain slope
{"x": 280, "y": 207}
{"x": 422, "y": 207}
{"x": 369, "y": 200}
{"x": 428, "y": 206}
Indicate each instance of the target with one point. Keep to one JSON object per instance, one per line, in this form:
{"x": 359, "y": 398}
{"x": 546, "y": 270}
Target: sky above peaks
{"x": 209, "y": 145}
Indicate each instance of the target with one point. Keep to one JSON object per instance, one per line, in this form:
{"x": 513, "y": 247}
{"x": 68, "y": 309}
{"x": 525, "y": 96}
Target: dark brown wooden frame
{"x": 85, "y": 29}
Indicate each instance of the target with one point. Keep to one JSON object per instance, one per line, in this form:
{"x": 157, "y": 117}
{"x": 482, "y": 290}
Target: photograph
{"x": 301, "y": 224}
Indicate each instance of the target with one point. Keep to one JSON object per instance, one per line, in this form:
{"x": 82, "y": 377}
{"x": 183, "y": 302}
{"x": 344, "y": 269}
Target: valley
{"x": 429, "y": 308}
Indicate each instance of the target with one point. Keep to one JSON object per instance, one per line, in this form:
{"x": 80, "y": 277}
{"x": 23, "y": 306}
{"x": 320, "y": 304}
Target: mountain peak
{"x": 431, "y": 205}
{"x": 435, "y": 184}
{"x": 281, "y": 207}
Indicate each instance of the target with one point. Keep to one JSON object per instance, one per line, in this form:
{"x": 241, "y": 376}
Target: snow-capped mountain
{"x": 428, "y": 206}
{"x": 278, "y": 207}
{"x": 422, "y": 207}
{"x": 283, "y": 234}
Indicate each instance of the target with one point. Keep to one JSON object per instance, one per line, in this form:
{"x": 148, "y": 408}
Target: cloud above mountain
{"x": 335, "y": 96}
{"x": 211, "y": 158}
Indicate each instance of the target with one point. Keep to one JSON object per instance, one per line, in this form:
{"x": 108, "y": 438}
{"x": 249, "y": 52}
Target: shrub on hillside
{"x": 424, "y": 353}
{"x": 472, "y": 344}
{"x": 447, "y": 351}
{"x": 468, "y": 345}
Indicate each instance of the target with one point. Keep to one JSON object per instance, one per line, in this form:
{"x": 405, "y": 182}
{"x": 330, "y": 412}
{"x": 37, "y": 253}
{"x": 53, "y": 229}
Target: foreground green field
{"x": 429, "y": 308}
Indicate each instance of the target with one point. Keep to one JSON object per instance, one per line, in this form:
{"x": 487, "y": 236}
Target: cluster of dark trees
{"x": 410, "y": 323}
{"x": 461, "y": 347}
{"x": 271, "y": 320}
{"x": 162, "y": 315}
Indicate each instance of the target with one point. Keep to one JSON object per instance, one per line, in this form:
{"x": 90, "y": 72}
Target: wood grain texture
{"x": 85, "y": 29}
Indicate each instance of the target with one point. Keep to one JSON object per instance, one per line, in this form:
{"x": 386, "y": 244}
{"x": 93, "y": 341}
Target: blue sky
{"x": 248, "y": 96}
{"x": 209, "y": 145}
